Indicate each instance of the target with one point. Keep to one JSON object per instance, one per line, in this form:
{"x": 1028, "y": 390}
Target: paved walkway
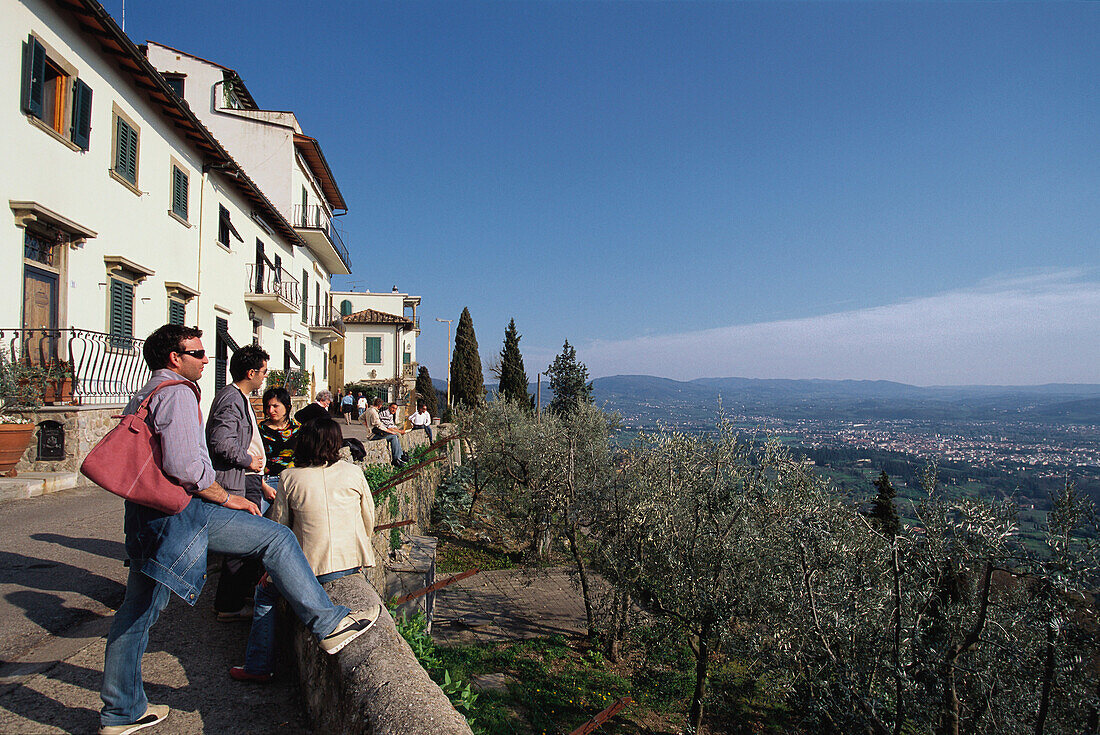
{"x": 61, "y": 576}
{"x": 509, "y": 604}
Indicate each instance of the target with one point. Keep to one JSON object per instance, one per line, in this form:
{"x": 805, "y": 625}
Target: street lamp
{"x": 448, "y": 321}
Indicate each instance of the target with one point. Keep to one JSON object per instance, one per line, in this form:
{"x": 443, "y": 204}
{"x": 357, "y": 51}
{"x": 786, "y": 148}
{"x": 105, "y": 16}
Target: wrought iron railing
{"x": 326, "y": 316}
{"x": 314, "y": 217}
{"x": 76, "y": 366}
{"x": 264, "y": 278}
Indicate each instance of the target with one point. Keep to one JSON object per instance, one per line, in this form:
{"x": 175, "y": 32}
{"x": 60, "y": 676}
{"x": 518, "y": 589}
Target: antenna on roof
{"x": 123, "y": 16}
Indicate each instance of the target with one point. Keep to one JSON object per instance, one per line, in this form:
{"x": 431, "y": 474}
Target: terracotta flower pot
{"x": 14, "y": 440}
{"x": 58, "y": 391}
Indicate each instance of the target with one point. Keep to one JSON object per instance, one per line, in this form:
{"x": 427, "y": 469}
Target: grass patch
{"x": 458, "y": 556}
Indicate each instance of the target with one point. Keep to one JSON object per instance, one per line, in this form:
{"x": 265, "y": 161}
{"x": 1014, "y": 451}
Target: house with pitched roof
{"x": 379, "y": 344}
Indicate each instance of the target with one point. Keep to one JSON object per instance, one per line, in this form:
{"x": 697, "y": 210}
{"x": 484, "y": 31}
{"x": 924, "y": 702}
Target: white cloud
{"x": 1014, "y": 330}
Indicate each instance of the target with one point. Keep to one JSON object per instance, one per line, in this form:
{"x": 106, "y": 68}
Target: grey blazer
{"x": 228, "y": 436}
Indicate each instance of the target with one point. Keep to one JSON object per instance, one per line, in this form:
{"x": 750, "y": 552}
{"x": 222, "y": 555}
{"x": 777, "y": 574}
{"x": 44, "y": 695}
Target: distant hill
{"x": 635, "y": 395}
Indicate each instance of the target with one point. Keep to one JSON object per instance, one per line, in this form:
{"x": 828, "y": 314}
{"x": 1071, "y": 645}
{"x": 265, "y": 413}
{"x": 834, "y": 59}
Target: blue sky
{"x": 672, "y": 185}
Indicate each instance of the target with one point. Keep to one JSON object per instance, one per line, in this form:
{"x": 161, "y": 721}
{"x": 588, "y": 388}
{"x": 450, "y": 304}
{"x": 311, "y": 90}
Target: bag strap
{"x": 143, "y": 409}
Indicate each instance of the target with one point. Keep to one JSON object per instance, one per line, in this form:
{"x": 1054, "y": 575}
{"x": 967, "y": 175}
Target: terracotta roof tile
{"x": 372, "y": 316}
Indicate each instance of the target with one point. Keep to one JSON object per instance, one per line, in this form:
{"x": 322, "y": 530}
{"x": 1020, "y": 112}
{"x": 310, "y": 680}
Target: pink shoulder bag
{"x": 127, "y": 461}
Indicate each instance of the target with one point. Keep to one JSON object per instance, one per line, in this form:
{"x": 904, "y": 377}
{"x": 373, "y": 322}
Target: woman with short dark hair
{"x": 279, "y": 432}
{"x": 328, "y": 504}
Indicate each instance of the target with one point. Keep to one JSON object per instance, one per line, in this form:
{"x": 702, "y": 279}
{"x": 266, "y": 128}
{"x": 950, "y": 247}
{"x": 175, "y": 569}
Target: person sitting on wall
{"x": 328, "y": 504}
{"x": 315, "y": 410}
{"x": 422, "y": 420}
{"x": 378, "y": 429}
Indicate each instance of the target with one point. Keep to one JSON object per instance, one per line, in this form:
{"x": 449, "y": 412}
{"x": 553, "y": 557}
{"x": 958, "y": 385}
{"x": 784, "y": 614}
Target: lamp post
{"x": 448, "y": 321}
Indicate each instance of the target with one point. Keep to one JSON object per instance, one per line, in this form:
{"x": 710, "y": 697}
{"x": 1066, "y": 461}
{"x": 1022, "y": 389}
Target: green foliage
{"x": 296, "y": 382}
{"x": 452, "y": 499}
{"x": 453, "y": 556}
{"x": 371, "y": 391}
{"x": 467, "y": 379}
{"x": 884, "y": 509}
{"x": 568, "y": 381}
{"x": 513, "y": 376}
{"x": 23, "y": 384}
{"x": 425, "y": 391}
{"x": 377, "y": 475}
{"x": 462, "y": 697}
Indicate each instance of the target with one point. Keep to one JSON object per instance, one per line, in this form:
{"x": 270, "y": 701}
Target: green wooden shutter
{"x": 373, "y": 354}
{"x": 305, "y": 295}
{"x": 179, "y": 192}
{"x": 177, "y": 312}
{"x": 82, "y": 114}
{"x": 126, "y": 142}
{"x": 122, "y": 313}
{"x": 345, "y": 307}
{"x": 34, "y": 72}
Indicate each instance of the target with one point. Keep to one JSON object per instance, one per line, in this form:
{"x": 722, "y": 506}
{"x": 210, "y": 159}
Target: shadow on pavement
{"x": 100, "y": 547}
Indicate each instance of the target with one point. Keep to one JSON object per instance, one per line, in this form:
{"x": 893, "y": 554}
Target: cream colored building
{"x": 127, "y": 211}
{"x": 379, "y": 344}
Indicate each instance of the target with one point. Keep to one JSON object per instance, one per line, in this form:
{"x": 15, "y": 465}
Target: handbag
{"x": 127, "y": 461}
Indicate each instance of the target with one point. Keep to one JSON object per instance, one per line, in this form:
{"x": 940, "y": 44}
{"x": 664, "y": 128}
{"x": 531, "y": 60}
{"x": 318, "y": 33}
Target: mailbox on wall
{"x": 51, "y": 441}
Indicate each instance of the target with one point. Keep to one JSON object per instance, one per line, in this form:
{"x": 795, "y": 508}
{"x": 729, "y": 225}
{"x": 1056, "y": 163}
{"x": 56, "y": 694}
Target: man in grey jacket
{"x": 237, "y": 454}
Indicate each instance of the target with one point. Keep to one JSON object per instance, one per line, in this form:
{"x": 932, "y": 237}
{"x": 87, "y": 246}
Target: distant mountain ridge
{"x": 853, "y": 399}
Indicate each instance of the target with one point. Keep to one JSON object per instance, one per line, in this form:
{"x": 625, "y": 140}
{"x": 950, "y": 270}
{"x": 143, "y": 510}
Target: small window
{"x": 121, "y": 317}
{"x": 225, "y": 227}
{"x": 180, "y": 183}
{"x": 177, "y": 311}
{"x": 54, "y": 95}
{"x": 345, "y": 308}
{"x": 373, "y": 350}
{"x": 175, "y": 81}
{"x": 126, "y": 151}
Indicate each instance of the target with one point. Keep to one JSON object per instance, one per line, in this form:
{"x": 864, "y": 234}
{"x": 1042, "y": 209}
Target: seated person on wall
{"x": 378, "y": 429}
{"x": 318, "y": 408}
{"x": 422, "y": 420}
{"x": 328, "y": 504}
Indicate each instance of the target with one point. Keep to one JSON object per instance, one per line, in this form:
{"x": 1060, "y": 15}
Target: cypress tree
{"x": 568, "y": 381}
{"x": 467, "y": 380}
{"x": 884, "y": 510}
{"x": 513, "y": 376}
{"x": 425, "y": 391}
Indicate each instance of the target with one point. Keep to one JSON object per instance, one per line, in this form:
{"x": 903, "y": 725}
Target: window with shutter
{"x": 305, "y": 296}
{"x": 373, "y": 350}
{"x": 179, "y": 192}
{"x": 177, "y": 312}
{"x": 53, "y": 95}
{"x": 82, "y": 114}
{"x": 121, "y": 319}
{"x": 221, "y": 352}
{"x": 345, "y": 307}
{"x": 126, "y": 151}
{"x": 34, "y": 75}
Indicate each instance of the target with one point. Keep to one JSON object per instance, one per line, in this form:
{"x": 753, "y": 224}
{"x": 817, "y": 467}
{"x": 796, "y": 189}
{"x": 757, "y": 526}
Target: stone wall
{"x": 375, "y": 686}
{"x": 84, "y": 426}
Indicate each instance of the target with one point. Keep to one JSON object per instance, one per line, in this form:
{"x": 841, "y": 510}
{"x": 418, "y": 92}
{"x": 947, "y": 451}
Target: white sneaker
{"x": 154, "y": 713}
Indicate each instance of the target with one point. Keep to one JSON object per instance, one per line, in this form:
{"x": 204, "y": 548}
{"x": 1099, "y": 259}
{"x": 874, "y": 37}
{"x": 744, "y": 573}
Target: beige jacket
{"x": 331, "y": 511}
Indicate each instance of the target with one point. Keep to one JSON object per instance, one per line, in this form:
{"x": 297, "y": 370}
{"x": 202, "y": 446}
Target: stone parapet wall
{"x": 84, "y": 426}
{"x": 375, "y": 686}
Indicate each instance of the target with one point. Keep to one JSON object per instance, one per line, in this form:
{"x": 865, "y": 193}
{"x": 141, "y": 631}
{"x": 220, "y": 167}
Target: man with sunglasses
{"x": 168, "y": 552}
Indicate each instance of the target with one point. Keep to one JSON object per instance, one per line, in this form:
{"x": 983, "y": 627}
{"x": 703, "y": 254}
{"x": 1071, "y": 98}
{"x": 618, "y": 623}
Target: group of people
{"x": 320, "y": 526}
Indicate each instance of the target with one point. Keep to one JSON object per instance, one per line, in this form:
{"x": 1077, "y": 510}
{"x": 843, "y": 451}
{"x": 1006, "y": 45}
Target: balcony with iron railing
{"x": 325, "y": 323}
{"x": 272, "y": 289}
{"x": 314, "y": 225}
{"x": 69, "y": 366}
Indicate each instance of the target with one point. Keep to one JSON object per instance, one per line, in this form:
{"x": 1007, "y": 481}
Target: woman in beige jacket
{"x": 328, "y": 504}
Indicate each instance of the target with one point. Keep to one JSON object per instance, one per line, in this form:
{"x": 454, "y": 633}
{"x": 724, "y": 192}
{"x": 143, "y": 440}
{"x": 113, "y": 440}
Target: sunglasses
{"x": 197, "y": 354}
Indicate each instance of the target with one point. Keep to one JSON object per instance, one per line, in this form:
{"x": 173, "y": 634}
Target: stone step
{"x": 32, "y": 484}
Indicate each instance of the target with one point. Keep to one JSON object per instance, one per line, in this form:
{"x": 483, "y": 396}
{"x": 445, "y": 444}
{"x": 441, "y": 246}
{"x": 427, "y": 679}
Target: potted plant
{"x": 20, "y": 388}
{"x": 58, "y": 385}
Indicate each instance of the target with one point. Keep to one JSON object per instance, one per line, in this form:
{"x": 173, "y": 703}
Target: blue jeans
{"x": 230, "y": 532}
{"x": 259, "y": 657}
{"x": 395, "y": 445}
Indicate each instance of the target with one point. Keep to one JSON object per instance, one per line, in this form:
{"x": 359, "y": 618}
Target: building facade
{"x": 379, "y": 344}
{"x": 127, "y": 211}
